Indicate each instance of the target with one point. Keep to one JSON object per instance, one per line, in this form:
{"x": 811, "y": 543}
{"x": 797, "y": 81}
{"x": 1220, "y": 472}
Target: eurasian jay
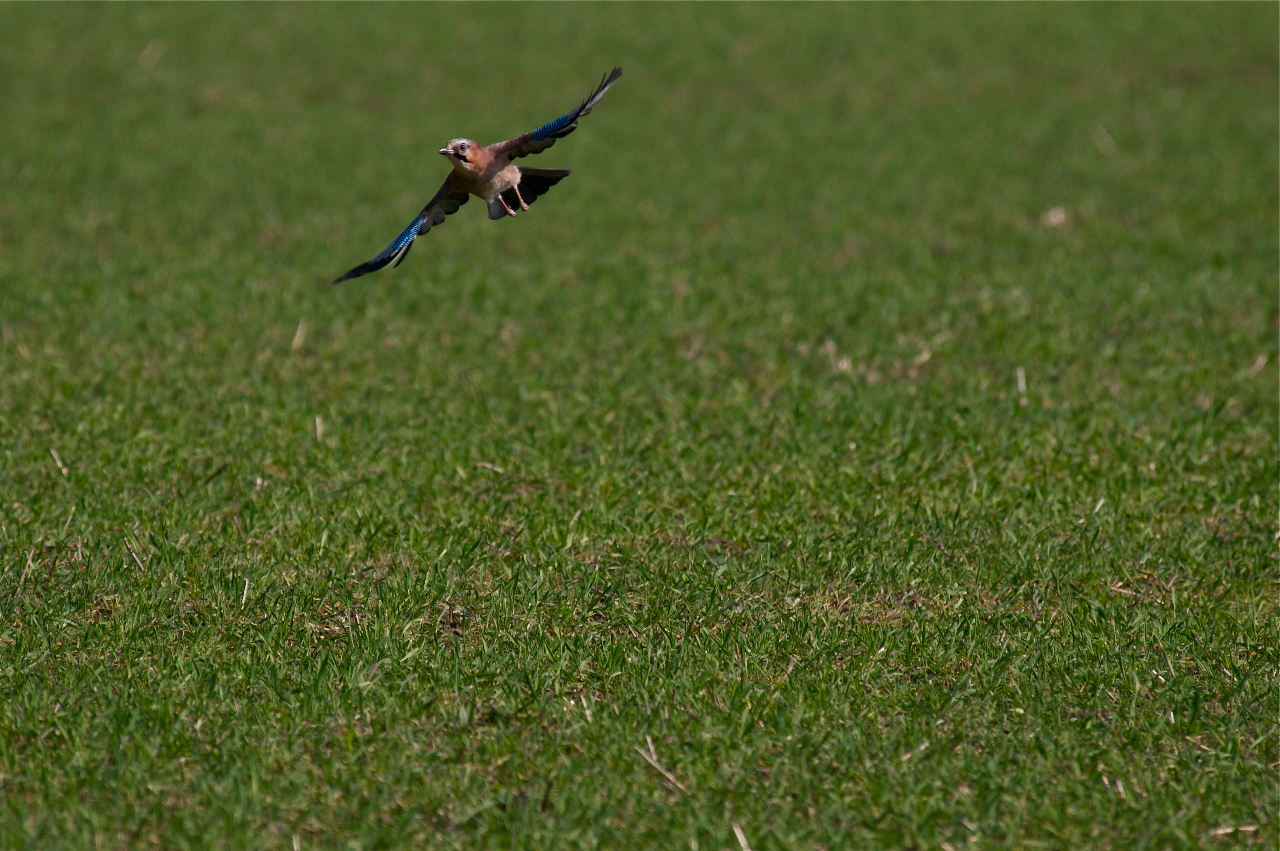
{"x": 487, "y": 172}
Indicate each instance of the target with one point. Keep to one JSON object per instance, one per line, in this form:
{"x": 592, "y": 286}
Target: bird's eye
{"x": 462, "y": 148}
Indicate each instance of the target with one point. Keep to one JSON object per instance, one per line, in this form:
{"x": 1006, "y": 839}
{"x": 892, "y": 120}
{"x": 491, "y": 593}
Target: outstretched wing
{"x": 537, "y": 141}
{"x": 446, "y": 202}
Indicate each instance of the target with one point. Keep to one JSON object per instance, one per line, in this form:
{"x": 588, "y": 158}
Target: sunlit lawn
{"x": 878, "y": 430}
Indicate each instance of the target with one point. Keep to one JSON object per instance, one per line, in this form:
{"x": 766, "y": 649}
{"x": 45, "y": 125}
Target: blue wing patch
{"x": 393, "y": 253}
{"x": 551, "y": 128}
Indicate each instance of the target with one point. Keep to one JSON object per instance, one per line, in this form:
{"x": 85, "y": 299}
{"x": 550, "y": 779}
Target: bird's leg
{"x": 520, "y": 198}
{"x": 510, "y": 212}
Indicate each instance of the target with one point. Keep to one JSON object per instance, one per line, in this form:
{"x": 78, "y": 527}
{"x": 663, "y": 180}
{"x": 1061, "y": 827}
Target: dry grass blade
{"x": 652, "y": 758}
{"x": 131, "y": 552}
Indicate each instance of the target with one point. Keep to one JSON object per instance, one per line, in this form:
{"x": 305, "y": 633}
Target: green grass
{"x": 722, "y": 445}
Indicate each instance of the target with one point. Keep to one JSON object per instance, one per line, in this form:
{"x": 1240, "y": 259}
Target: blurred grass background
{"x": 722, "y": 445}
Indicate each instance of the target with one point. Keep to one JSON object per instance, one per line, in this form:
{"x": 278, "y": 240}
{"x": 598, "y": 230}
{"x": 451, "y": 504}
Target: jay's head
{"x": 463, "y": 152}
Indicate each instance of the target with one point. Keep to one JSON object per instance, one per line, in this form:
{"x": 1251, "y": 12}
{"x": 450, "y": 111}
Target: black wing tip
{"x": 606, "y": 81}
{"x": 357, "y": 272}
{"x": 363, "y": 269}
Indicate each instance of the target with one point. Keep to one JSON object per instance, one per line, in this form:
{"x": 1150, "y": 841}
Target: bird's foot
{"x": 520, "y": 198}
{"x": 505, "y": 206}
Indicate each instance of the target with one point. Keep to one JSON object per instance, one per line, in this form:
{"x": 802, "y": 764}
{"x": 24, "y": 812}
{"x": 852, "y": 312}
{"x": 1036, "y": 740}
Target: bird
{"x": 488, "y": 173}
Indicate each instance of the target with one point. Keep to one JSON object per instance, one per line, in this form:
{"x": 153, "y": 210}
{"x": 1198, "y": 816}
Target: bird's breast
{"x": 495, "y": 181}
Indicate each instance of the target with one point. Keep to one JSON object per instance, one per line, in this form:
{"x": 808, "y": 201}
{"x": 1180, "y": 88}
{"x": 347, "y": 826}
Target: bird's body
{"x": 485, "y": 174}
{"x": 489, "y": 173}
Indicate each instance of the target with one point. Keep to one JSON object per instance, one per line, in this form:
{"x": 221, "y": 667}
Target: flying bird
{"x": 488, "y": 173}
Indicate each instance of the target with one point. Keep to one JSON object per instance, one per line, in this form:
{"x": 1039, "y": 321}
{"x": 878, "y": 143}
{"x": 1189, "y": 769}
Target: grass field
{"x": 878, "y": 430}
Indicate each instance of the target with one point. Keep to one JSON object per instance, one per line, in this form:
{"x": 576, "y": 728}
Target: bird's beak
{"x": 446, "y": 151}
